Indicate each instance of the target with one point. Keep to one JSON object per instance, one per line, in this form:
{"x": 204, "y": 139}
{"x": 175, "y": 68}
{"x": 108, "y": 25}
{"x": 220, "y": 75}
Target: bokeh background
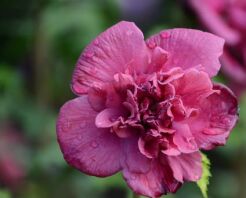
{"x": 40, "y": 41}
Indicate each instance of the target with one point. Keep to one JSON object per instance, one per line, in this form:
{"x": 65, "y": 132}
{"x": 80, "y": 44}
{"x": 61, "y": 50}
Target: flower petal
{"x": 107, "y": 117}
{"x": 91, "y": 150}
{"x": 157, "y": 181}
{"x": 118, "y": 48}
{"x": 184, "y": 139}
{"x": 217, "y": 118}
{"x": 216, "y": 23}
{"x": 233, "y": 69}
{"x": 135, "y": 161}
{"x": 186, "y": 167}
{"x": 193, "y": 86}
{"x": 191, "y": 82}
{"x": 189, "y": 48}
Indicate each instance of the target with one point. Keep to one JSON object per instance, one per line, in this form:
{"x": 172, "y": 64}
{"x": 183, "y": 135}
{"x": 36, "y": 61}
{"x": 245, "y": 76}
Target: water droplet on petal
{"x": 151, "y": 44}
{"x": 76, "y": 86}
{"x": 94, "y": 144}
{"x": 129, "y": 32}
{"x": 96, "y": 42}
{"x": 133, "y": 177}
{"x": 66, "y": 126}
{"x": 226, "y": 121}
{"x": 80, "y": 137}
{"x": 165, "y": 35}
{"x": 196, "y": 176}
{"x": 89, "y": 54}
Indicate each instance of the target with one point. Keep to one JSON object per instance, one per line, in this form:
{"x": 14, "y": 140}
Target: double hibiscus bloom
{"x": 146, "y": 108}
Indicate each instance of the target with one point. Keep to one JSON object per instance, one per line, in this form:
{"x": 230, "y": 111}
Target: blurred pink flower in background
{"x": 227, "y": 18}
{"x": 146, "y": 108}
{"x": 12, "y": 168}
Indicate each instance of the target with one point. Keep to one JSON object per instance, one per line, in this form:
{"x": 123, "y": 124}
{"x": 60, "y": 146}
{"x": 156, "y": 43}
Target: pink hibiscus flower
{"x": 146, "y": 108}
{"x": 227, "y": 18}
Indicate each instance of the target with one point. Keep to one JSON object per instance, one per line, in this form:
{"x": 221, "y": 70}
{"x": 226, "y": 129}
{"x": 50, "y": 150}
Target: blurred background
{"x": 40, "y": 41}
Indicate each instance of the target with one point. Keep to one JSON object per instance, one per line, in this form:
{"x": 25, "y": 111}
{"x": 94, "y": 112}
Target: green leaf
{"x": 204, "y": 181}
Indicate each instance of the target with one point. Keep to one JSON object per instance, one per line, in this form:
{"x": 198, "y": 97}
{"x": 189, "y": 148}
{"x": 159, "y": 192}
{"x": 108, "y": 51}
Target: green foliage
{"x": 4, "y": 194}
{"x": 204, "y": 181}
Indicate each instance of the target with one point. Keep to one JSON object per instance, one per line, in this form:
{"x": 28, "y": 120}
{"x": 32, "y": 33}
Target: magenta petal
{"x": 135, "y": 161}
{"x": 97, "y": 98}
{"x": 184, "y": 139}
{"x": 218, "y": 117}
{"x": 189, "y": 48}
{"x": 233, "y": 69}
{"x": 238, "y": 17}
{"x": 211, "y": 18}
{"x": 171, "y": 149}
{"x": 157, "y": 181}
{"x": 159, "y": 58}
{"x": 91, "y": 150}
{"x": 186, "y": 167}
{"x": 148, "y": 146}
{"x": 107, "y": 117}
{"x": 192, "y": 82}
{"x": 118, "y": 48}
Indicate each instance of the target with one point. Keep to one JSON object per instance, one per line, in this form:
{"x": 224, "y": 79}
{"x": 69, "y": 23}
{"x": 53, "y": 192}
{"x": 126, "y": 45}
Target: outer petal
{"x": 118, "y": 48}
{"x": 186, "y": 167}
{"x": 217, "y": 117}
{"x": 189, "y": 48}
{"x": 91, "y": 150}
{"x": 157, "y": 181}
{"x": 211, "y": 18}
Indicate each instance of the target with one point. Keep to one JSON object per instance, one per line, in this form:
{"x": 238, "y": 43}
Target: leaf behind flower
{"x": 204, "y": 181}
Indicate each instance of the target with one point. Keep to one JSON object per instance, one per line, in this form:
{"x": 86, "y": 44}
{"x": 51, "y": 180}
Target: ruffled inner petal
{"x": 157, "y": 181}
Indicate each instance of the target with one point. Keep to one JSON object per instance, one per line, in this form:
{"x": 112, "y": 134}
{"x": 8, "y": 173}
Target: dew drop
{"x": 129, "y": 32}
{"x": 165, "y": 35}
{"x": 89, "y": 54}
{"x": 77, "y": 86}
{"x": 226, "y": 121}
{"x": 96, "y": 42}
{"x": 66, "y": 126}
{"x": 196, "y": 176}
{"x": 94, "y": 144}
{"x": 151, "y": 44}
{"x": 133, "y": 177}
